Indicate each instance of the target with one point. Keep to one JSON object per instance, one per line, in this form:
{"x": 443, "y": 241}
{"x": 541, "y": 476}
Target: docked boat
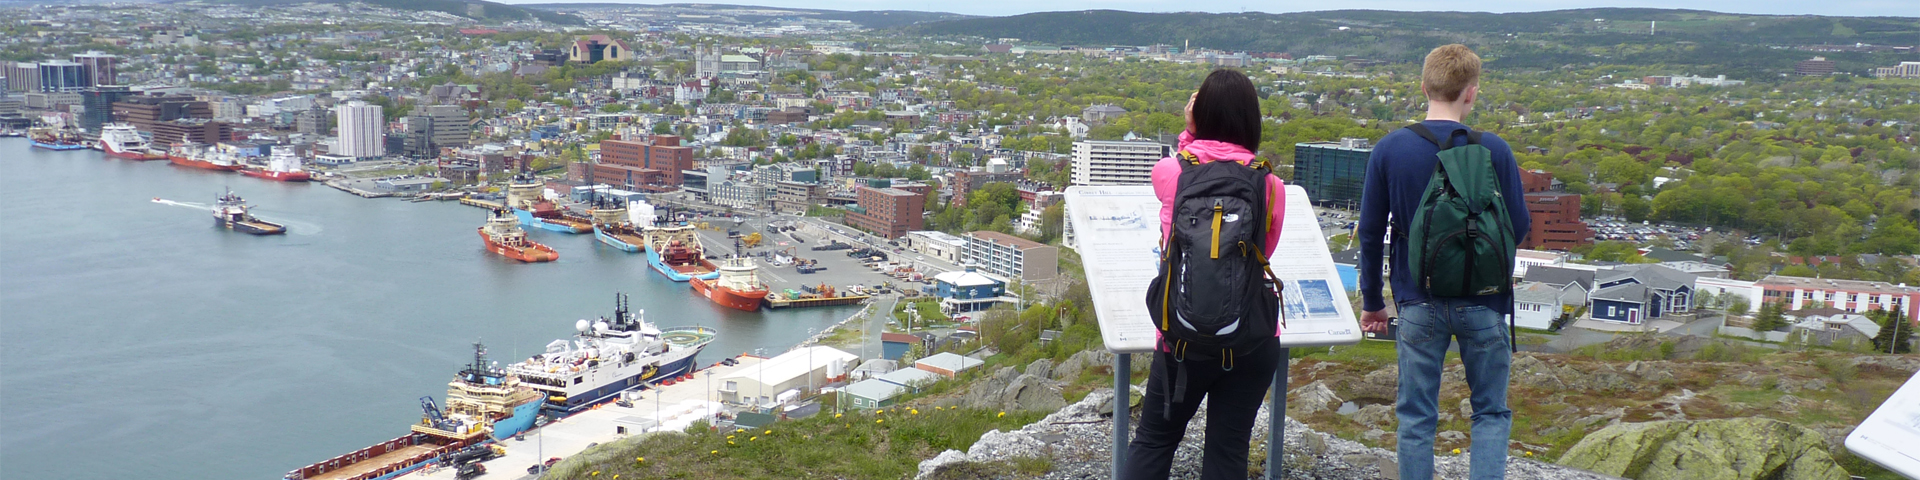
{"x": 283, "y": 166}
{"x": 608, "y": 356}
{"x": 233, "y": 213}
{"x": 611, "y": 227}
{"x": 498, "y": 399}
{"x": 121, "y": 140}
{"x": 200, "y": 155}
{"x": 55, "y": 139}
{"x": 483, "y": 402}
{"x": 676, "y": 253}
{"x": 503, "y": 236}
{"x": 738, "y": 286}
{"x": 523, "y": 196}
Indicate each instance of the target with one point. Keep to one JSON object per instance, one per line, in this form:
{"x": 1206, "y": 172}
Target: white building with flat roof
{"x": 1100, "y": 162}
{"x": 805, "y": 367}
{"x": 362, "y": 130}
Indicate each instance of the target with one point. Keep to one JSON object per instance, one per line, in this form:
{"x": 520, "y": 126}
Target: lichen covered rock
{"x": 1732, "y": 449}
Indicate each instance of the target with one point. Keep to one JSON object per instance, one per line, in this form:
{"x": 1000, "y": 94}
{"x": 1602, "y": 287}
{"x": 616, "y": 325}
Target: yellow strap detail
{"x": 1217, "y": 213}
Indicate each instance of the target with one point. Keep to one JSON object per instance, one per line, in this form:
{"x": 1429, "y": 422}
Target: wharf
{"x": 345, "y": 187}
{"x": 567, "y": 437}
{"x": 475, "y": 202}
{"x": 775, "y": 302}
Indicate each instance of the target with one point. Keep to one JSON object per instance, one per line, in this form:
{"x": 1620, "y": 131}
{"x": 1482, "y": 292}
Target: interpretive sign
{"x": 1889, "y": 435}
{"x": 1117, "y": 230}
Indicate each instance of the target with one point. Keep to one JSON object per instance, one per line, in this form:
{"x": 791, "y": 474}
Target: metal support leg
{"x": 1277, "y": 419}
{"x": 1122, "y": 406}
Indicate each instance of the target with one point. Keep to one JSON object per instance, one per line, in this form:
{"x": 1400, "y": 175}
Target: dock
{"x": 343, "y": 186}
{"x": 604, "y": 424}
{"x": 776, "y": 302}
{"x": 475, "y": 202}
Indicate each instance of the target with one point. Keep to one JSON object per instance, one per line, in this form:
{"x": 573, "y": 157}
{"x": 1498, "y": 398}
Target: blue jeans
{"x": 1426, "y": 329}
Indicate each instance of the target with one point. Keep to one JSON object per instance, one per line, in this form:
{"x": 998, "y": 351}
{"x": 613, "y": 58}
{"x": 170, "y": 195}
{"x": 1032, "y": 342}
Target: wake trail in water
{"x": 195, "y": 206}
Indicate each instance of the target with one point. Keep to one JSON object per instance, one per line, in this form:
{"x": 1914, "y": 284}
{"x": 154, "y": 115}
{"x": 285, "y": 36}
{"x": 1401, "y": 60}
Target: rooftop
{"x": 1830, "y": 284}
{"x": 949, "y": 361}
{"x": 939, "y": 236}
{"x": 1005, "y": 239}
{"x": 874, "y": 388}
{"x": 965, "y": 279}
{"x": 793, "y": 364}
{"x": 910, "y": 377}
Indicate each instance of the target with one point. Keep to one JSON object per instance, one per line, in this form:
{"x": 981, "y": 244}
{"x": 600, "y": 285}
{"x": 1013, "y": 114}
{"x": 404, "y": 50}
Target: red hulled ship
{"x": 737, "y": 287}
{"x": 503, "y": 235}
{"x": 200, "y": 155}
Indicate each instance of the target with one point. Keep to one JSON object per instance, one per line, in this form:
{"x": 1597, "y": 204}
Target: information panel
{"x": 1117, "y": 231}
{"x": 1889, "y": 435}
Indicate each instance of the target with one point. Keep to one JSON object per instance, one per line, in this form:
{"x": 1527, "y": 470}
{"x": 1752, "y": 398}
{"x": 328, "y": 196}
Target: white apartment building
{"x": 1098, "y": 162}
{"x": 362, "y": 130}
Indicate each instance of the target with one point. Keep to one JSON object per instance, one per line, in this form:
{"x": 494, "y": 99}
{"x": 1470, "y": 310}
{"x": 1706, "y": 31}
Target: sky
{"x": 1015, "y": 7}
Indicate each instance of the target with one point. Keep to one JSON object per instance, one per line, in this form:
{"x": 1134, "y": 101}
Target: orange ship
{"x": 738, "y": 285}
{"x": 504, "y": 236}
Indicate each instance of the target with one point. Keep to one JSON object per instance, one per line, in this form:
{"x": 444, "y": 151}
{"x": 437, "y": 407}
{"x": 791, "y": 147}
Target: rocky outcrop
{"x": 1313, "y": 398}
{"x": 1010, "y": 390}
{"x": 1733, "y": 449}
{"x": 1077, "y": 440}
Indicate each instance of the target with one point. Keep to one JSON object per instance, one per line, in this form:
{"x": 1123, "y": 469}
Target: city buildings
{"x": 433, "y": 127}
{"x": 99, "y": 67}
{"x": 594, "y": 48}
{"x": 1010, "y": 256}
{"x": 63, "y": 76}
{"x": 191, "y": 130}
{"x": 653, "y": 164}
{"x": 362, "y": 130}
{"x": 97, "y": 103}
{"x": 22, "y": 76}
{"x": 936, "y": 244}
{"x": 888, "y": 212}
{"x": 1333, "y": 173}
{"x": 1903, "y": 70}
{"x": 145, "y": 112}
{"x": 1100, "y": 162}
{"x": 794, "y": 197}
{"x": 1815, "y": 67}
{"x": 1849, "y": 295}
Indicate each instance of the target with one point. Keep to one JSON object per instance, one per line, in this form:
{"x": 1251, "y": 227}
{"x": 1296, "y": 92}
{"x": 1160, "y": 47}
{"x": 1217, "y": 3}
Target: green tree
{"x": 1771, "y": 317}
{"x": 613, "y": 108}
{"x": 1896, "y": 334}
{"x": 1052, "y": 222}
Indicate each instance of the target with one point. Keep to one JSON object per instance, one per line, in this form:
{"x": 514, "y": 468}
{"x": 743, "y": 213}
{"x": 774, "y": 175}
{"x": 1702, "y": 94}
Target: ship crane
{"x": 434, "y": 418}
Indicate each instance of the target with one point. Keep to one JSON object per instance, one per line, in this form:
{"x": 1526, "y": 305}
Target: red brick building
{"x": 1556, "y": 222}
{"x": 651, "y": 165}
{"x": 889, "y": 212}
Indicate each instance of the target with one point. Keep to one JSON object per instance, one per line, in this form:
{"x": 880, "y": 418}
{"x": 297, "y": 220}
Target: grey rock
{"x": 1313, "y": 398}
{"x": 1466, "y": 408}
{"x": 1032, "y": 393}
{"x": 1374, "y": 416}
{"x": 1042, "y": 368}
{"x": 1452, "y": 436}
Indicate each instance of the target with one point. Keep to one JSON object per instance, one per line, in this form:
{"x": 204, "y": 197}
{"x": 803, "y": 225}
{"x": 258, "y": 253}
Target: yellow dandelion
{"x": 729, "y": 437}
{"x": 715, "y": 452}
{"x": 1529, "y": 454}
{"x": 730, "y": 442}
{"x": 880, "y": 421}
{"x": 914, "y": 411}
{"x": 1002, "y": 414}
{"x": 768, "y": 432}
{"x": 596, "y": 473}
{"x": 752, "y": 438}
{"x": 836, "y": 415}
{"x": 1456, "y": 451}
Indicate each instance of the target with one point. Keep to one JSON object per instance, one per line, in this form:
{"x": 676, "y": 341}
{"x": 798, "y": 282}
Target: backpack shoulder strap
{"x": 1419, "y": 129}
{"x": 1187, "y": 159}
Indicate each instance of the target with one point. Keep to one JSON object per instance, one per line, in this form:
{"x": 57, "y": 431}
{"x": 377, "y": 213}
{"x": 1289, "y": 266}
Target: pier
{"x": 475, "y": 202}
{"x": 777, "y": 300}
{"x": 601, "y": 425}
{"x": 344, "y": 187}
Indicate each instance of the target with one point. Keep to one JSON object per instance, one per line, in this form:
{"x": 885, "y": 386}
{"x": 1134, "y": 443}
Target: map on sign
{"x": 1889, "y": 434}
{"x": 1117, "y": 230}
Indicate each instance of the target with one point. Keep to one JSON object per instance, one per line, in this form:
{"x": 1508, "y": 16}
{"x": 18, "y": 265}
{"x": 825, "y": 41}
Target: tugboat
{"x": 611, "y": 227}
{"x": 284, "y": 166}
{"x": 676, "y": 253}
{"x": 738, "y": 287}
{"x": 200, "y": 155}
{"x": 608, "y": 356}
{"x": 121, "y": 140}
{"x": 504, "y": 236}
{"x": 232, "y": 212}
{"x": 523, "y": 196}
{"x": 55, "y": 139}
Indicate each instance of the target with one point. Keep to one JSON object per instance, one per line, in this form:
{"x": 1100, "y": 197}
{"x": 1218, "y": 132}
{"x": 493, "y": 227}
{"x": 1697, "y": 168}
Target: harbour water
{"x": 137, "y": 340}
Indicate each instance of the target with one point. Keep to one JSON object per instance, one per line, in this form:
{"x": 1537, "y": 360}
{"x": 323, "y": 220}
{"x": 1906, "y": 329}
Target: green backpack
{"x": 1461, "y": 241}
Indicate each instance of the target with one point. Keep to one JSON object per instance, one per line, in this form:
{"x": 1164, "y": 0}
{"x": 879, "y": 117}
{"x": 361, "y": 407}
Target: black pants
{"x": 1233, "y": 400}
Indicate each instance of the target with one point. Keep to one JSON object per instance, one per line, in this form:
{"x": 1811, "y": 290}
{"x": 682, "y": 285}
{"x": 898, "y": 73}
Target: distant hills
{"x": 750, "y": 14}
{"x": 487, "y": 11}
{"x": 1534, "y": 39}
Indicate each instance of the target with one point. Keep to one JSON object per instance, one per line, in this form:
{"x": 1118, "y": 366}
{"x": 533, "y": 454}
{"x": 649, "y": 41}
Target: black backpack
{"x": 1215, "y": 296}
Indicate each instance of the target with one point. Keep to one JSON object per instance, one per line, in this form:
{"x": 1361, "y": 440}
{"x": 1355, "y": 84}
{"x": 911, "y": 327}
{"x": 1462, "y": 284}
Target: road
{"x": 877, "y": 324}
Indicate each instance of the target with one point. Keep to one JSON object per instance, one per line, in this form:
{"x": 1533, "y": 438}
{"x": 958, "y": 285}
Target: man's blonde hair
{"x": 1450, "y": 69}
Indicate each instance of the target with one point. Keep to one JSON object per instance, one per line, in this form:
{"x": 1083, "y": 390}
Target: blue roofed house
{"x": 1633, "y": 294}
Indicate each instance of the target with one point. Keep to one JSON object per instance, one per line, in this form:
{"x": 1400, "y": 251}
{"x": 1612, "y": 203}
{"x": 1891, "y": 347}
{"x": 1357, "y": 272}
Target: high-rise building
{"x": 362, "y": 130}
{"x": 1010, "y": 256}
{"x": 23, "y": 76}
{"x": 99, "y": 67}
{"x": 433, "y": 127}
{"x": 98, "y": 104}
{"x": 63, "y": 76}
{"x": 1332, "y": 173}
{"x": 195, "y": 130}
{"x": 1098, "y": 162}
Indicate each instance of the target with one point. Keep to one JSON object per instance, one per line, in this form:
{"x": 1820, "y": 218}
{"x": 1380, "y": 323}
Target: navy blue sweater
{"x": 1397, "y": 174}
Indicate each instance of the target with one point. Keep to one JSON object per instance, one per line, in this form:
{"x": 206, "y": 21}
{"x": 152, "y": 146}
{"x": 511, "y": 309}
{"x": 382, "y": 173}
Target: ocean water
{"x": 138, "y": 340}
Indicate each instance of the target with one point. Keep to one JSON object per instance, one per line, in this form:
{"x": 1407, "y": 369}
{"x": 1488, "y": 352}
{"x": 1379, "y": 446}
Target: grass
{"x": 886, "y": 444}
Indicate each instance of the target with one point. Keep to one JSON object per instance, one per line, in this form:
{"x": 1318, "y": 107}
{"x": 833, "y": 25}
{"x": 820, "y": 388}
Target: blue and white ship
{"x": 486, "y": 392}
{"x": 608, "y": 356}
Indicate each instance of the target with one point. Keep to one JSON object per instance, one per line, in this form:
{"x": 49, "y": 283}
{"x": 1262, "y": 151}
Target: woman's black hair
{"x": 1228, "y": 110}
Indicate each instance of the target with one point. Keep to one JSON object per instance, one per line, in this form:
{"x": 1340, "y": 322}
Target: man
{"x": 1397, "y": 174}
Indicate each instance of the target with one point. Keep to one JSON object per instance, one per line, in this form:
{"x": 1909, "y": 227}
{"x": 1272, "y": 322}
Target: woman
{"x": 1223, "y": 125}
